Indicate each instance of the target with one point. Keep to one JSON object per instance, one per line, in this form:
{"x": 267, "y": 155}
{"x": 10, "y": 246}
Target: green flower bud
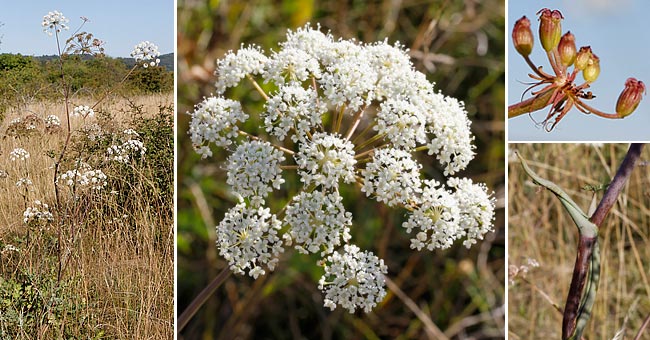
{"x": 592, "y": 71}
{"x": 567, "y": 49}
{"x": 630, "y": 97}
{"x": 583, "y": 57}
{"x": 522, "y": 36}
{"x": 550, "y": 28}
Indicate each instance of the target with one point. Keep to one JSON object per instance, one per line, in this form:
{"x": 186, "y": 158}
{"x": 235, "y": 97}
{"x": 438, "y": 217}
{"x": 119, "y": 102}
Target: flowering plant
{"x": 337, "y": 112}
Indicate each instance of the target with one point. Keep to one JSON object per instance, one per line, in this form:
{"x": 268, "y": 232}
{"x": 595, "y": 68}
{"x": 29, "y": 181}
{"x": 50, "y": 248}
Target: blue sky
{"x": 617, "y": 33}
{"x": 120, "y": 23}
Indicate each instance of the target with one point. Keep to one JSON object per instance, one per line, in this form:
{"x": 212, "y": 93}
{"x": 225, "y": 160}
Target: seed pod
{"x": 550, "y": 28}
{"x": 592, "y": 71}
{"x": 522, "y": 36}
{"x": 630, "y": 98}
{"x": 567, "y": 49}
{"x": 582, "y": 59}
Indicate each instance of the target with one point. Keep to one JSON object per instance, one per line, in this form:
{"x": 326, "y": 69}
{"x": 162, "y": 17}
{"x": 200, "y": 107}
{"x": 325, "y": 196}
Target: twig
{"x": 433, "y": 332}
{"x": 200, "y": 300}
{"x": 645, "y": 324}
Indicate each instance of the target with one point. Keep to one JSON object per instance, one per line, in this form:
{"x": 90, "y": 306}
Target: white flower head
{"x": 346, "y": 112}
{"x": 54, "y": 22}
{"x": 52, "y": 121}
{"x": 37, "y": 214}
{"x": 392, "y": 177}
{"x": 401, "y": 122}
{"x": 254, "y": 170}
{"x": 452, "y": 140}
{"x": 310, "y": 40}
{"x": 124, "y": 152}
{"x": 350, "y": 80}
{"x": 234, "y": 67}
{"x": 354, "y": 279}
{"x": 83, "y": 111}
{"x": 436, "y": 220}
{"x": 248, "y": 239}
{"x": 24, "y": 182}
{"x": 325, "y": 160}
{"x": 214, "y": 121}
{"x": 293, "y": 108}
{"x": 84, "y": 178}
{"x": 318, "y": 222}
{"x": 476, "y": 207}
{"x": 146, "y": 53}
{"x": 291, "y": 65}
{"x": 18, "y": 154}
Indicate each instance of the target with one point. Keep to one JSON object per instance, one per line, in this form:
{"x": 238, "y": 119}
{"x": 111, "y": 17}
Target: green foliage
{"x": 28, "y": 302}
{"x": 21, "y": 80}
{"x": 24, "y": 78}
{"x": 14, "y": 61}
{"x": 151, "y": 80}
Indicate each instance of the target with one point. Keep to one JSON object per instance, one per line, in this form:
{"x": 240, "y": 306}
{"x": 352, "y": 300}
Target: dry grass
{"x": 117, "y": 276}
{"x": 540, "y": 229}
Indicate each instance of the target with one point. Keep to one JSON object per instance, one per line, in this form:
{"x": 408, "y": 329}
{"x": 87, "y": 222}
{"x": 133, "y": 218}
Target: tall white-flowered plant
{"x": 341, "y": 113}
{"x": 146, "y": 53}
{"x": 54, "y": 22}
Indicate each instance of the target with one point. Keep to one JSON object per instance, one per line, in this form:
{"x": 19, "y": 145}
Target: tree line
{"x": 25, "y": 78}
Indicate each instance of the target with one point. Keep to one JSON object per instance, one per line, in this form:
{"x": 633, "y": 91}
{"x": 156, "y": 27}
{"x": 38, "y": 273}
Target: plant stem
{"x": 244, "y": 133}
{"x": 201, "y": 299}
{"x": 530, "y": 105}
{"x": 615, "y": 187}
{"x": 357, "y": 120}
{"x": 645, "y": 324}
{"x": 536, "y": 69}
{"x": 597, "y": 112}
{"x": 586, "y": 271}
{"x": 257, "y": 87}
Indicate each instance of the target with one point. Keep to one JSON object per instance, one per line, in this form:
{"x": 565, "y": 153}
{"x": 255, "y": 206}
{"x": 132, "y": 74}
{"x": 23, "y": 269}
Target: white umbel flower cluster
{"x": 84, "y": 178}
{"x": 24, "y": 182}
{"x": 326, "y": 160}
{"x": 83, "y": 111}
{"x": 146, "y": 53}
{"x": 318, "y": 222}
{"x": 18, "y": 154}
{"x": 235, "y": 66}
{"x": 126, "y": 151}
{"x": 248, "y": 239}
{"x": 254, "y": 170}
{"x": 293, "y": 108}
{"x": 436, "y": 218}
{"x": 37, "y": 214}
{"x": 392, "y": 177}
{"x": 354, "y": 279}
{"x": 54, "y": 22}
{"x": 339, "y": 113}
{"x": 215, "y": 121}
{"x": 52, "y": 121}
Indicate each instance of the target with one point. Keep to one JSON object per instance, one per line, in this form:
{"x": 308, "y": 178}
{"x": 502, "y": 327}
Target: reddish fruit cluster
{"x": 559, "y": 90}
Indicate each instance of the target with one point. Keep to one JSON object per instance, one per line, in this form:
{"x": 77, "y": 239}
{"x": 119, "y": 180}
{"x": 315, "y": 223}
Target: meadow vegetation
{"x": 86, "y": 198}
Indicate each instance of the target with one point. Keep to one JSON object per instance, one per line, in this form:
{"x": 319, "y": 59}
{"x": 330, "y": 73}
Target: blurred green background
{"x": 459, "y": 45}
